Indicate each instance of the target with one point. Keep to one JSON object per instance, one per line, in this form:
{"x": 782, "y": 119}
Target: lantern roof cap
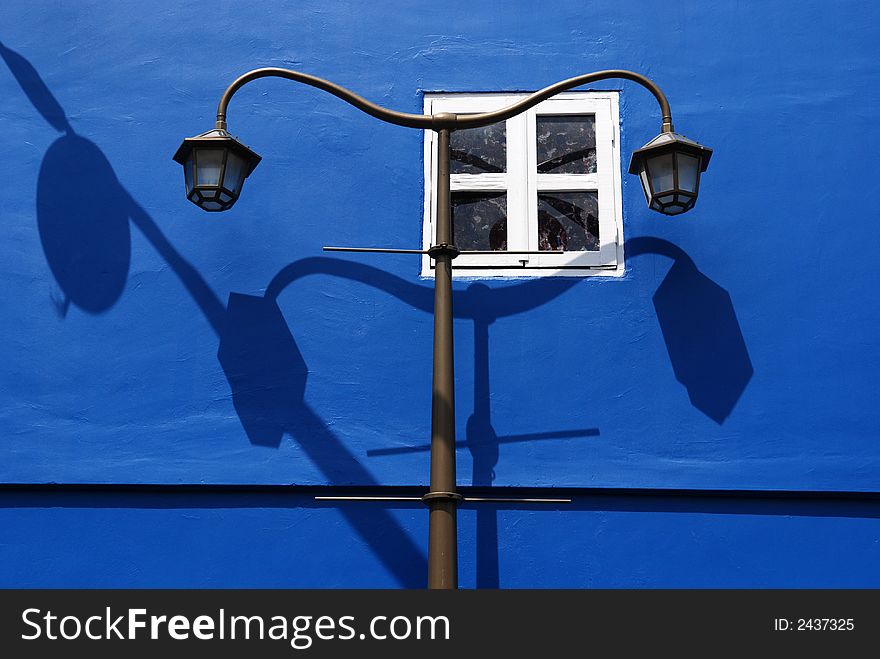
{"x": 670, "y": 142}
{"x": 220, "y": 138}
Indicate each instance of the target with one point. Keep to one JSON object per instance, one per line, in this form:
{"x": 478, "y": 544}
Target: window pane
{"x": 479, "y": 150}
{"x": 568, "y": 221}
{"x": 566, "y": 144}
{"x": 479, "y": 220}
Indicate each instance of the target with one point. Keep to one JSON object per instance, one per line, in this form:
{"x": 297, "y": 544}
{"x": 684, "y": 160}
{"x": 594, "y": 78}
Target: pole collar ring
{"x": 443, "y": 249}
{"x": 454, "y": 497}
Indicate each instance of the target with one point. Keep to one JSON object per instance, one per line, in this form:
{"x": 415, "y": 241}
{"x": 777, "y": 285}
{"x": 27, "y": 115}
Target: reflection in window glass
{"x": 566, "y": 144}
{"x": 479, "y": 220}
{"x": 568, "y": 221}
{"x": 479, "y": 150}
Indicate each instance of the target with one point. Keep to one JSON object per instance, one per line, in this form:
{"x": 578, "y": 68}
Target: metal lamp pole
{"x": 442, "y": 498}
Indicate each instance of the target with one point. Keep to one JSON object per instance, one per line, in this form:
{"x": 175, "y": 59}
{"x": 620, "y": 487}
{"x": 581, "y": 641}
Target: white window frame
{"x": 522, "y": 183}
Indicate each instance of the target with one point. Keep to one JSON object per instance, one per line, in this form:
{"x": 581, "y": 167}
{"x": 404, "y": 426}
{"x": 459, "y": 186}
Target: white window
{"x": 547, "y": 180}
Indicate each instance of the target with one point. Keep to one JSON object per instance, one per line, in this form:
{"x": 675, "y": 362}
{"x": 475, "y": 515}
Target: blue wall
{"x": 146, "y": 342}
{"x": 278, "y": 541}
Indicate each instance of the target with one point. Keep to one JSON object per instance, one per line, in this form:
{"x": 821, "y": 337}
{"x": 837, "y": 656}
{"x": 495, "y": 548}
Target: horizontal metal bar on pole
{"x": 376, "y": 498}
{"x": 465, "y": 499}
{"x": 385, "y": 250}
{"x": 512, "y": 500}
{"x": 464, "y": 252}
{"x": 501, "y": 252}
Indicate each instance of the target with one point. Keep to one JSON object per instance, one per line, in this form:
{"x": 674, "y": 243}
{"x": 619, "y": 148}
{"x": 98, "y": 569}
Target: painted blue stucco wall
{"x": 143, "y": 341}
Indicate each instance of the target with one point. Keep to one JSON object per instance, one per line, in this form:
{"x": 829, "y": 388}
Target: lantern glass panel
{"x": 234, "y": 176}
{"x": 660, "y": 170}
{"x": 645, "y": 186}
{"x": 209, "y": 162}
{"x": 688, "y": 172}
{"x": 188, "y": 172}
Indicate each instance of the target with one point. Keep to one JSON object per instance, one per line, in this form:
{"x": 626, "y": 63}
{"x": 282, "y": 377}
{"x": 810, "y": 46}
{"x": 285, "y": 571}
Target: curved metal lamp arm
{"x": 444, "y": 120}
{"x": 486, "y": 118}
{"x": 399, "y": 118}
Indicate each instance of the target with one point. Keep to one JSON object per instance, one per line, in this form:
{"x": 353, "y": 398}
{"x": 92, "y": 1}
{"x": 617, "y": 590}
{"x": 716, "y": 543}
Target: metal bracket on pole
{"x": 454, "y": 496}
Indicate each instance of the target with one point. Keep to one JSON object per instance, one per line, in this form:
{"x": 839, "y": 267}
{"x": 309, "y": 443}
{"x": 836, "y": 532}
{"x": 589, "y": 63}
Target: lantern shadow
{"x": 701, "y": 331}
{"x": 267, "y": 377}
{"x": 264, "y": 367}
{"x": 82, "y": 214}
{"x": 82, "y": 218}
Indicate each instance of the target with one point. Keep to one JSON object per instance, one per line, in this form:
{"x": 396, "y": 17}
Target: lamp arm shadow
{"x": 470, "y": 303}
{"x": 199, "y": 289}
{"x": 443, "y": 120}
{"x": 651, "y": 245}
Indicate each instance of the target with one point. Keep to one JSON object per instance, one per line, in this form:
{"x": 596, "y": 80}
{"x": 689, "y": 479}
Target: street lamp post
{"x": 216, "y": 165}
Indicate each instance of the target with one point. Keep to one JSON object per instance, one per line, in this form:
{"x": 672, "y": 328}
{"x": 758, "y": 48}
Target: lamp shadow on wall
{"x": 702, "y": 334}
{"x": 81, "y": 209}
{"x": 83, "y": 215}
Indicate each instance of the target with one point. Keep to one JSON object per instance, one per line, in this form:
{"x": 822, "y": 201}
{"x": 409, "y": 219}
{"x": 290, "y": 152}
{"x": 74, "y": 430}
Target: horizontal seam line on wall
{"x": 418, "y": 490}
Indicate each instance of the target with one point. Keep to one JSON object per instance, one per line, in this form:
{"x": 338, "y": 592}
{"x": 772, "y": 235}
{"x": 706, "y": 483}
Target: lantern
{"x": 669, "y": 167}
{"x": 215, "y": 166}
